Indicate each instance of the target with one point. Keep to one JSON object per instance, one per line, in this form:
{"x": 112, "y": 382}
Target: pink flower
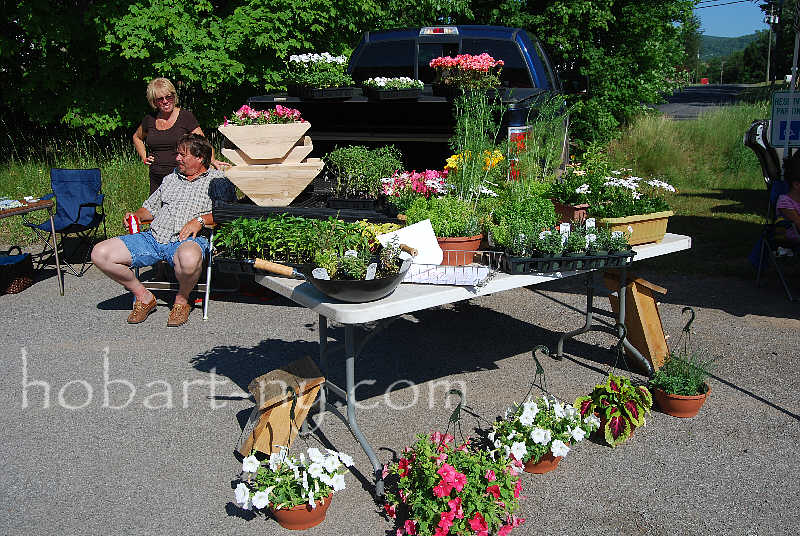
{"x": 390, "y": 510}
{"x": 490, "y": 476}
{"x": 504, "y": 530}
{"x": 447, "y": 472}
{"x": 442, "y": 489}
{"x": 514, "y": 521}
{"x": 459, "y": 481}
{"x": 478, "y": 524}
{"x": 410, "y": 527}
{"x": 403, "y": 496}
{"x": 385, "y": 471}
{"x": 441, "y": 532}
{"x": 446, "y": 520}
{"x": 494, "y": 491}
{"x": 517, "y": 489}
{"x": 441, "y": 458}
{"x": 402, "y": 467}
{"x": 455, "y": 507}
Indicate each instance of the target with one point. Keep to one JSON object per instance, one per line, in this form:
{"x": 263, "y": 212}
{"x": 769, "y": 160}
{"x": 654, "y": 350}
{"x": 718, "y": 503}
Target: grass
{"x": 125, "y": 178}
{"x": 722, "y": 200}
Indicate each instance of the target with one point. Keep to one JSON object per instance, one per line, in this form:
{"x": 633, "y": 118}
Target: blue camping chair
{"x": 78, "y": 198}
{"x": 772, "y": 240}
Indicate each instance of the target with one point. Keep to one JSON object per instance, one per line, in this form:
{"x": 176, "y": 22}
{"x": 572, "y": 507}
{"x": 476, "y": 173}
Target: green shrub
{"x": 356, "y": 171}
{"x": 450, "y": 216}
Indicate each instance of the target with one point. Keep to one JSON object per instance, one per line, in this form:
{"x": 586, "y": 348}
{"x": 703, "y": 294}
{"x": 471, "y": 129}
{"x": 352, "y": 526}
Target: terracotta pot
{"x": 546, "y": 463}
{"x": 570, "y": 213}
{"x": 303, "y": 516}
{"x": 453, "y": 246}
{"x": 680, "y": 405}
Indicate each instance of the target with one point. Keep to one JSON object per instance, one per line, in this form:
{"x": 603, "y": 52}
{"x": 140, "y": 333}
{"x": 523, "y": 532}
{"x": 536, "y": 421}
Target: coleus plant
{"x": 620, "y": 405}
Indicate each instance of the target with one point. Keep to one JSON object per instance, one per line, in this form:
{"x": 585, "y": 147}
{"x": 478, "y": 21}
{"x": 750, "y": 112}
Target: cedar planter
{"x": 459, "y": 251}
{"x": 680, "y": 405}
{"x": 646, "y": 227}
{"x": 392, "y": 94}
{"x": 570, "y": 213}
{"x": 271, "y": 164}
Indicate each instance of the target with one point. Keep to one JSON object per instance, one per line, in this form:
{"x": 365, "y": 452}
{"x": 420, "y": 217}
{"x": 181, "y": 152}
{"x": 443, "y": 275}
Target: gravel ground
{"x": 156, "y": 454}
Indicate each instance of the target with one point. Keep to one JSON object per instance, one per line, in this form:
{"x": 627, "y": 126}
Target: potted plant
{"x": 297, "y": 492}
{"x": 619, "y": 404}
{"x": 356, "y": 173}
{"x": 320, "y": 76}
{"x": 439, "y": 488}
{"x": 539, "y": 432}
{"x": 679, "y": 385}
{"x": 455, "y": 223}
{"x": 465, "y": 72}
{"x": 402, "y": 87}
{"x": 572, "y": 194}
{"x": 404, "y": 186}
{"x": 265, "y": 135}
{"x": 550, "y": 246}
{"x": 575, "y": 246}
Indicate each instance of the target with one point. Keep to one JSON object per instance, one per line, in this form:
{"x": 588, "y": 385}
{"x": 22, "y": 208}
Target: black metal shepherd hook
{"x": 687, "y": 329}
{"x": 539, "y": 375}
{"x": 618, "y": 347}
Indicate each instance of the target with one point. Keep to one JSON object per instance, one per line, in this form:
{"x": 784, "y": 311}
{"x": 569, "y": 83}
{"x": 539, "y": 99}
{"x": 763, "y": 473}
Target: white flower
{"x": 491, "y": 436}
{"x": 529, "y": 413}
{"x": 630, "y": 229}
{"x": 242, "y": 496}
{"x": 578, "y": 433}
{"x": 543, "y": 234}
{"x": 583, "y": 189}
{"x": 315, "y": 455}
{"x": 337, "y": 482}
{"x": 579, "y": 172}
{"x": 305, "y": 479}
{"x": 655, "y": 183}
{"x": 540, "y": 436}
{"x": 571, "y": 412}
{"x": 559, "y": 448}
{"x": 497, "y": 443}
{"x": 311, "y": 502}
{"x": 591, "y": 238}
{"x": 316, "y": 470}
{"x": 274, "y": 462}
{"x": 507, "y": 449}
{"x": 636, "y": 195}
{"x": 615, "y": 172}
{"x": 511, "y": 436}
{"x": 558, "y": 407}
{"x": 519, "y": 450}
{"x": 617, "y": 234}
{"x": 261, "y": 498}
{"x": 347, "y": 460}
{"x": 331, "y": 463}
{"x": 250, "y": 464}
{"x": 593, "y": 421}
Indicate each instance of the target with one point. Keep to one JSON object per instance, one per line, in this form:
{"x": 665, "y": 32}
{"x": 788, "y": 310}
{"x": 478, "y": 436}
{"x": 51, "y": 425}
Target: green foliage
{"x": 352, "y": 267}
{"x": 620, "y": 404}
{"x": 683, "y": 373}
{"x": 713, "y": 47}
{"x": 450, "y": 216}
{"x": 518, "y": 219}
{"x": 539, "y": 151}
{"x": 318, "y": 71}
{"x": 357, "y": 171}
{"x": 549, "y": 243}
{"x": 289, "y": 238}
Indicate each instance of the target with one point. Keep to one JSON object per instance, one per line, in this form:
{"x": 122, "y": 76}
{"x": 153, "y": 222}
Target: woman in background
{"x": 156, "y": 138}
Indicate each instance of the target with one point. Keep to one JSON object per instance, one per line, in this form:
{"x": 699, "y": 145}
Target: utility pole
{"x": 721, "y": 67}
{"x": 771, "y": 19}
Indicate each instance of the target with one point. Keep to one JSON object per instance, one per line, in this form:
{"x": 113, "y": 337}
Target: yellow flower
{"x": 452, "y": 162}
{"x": 492, "y": 159}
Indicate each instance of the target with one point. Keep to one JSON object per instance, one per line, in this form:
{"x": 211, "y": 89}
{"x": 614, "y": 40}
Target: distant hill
{"x": 715, "y": 47}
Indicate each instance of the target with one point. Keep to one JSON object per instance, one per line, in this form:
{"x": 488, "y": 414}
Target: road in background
{"x": 692, "y": 101}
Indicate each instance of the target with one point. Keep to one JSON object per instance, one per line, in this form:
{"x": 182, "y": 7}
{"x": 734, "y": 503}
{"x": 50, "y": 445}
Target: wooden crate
{"x": 642, "y": 319}
{"x": 266, "y": 142}
{"x": 270, "y": 424}
{"x": 275, "y": 185}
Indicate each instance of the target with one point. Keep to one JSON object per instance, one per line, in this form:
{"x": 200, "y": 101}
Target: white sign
{"x": 785, "y": 113}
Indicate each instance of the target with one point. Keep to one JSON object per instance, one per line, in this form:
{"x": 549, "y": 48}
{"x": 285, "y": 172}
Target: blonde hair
{"x": 158, "y": 85}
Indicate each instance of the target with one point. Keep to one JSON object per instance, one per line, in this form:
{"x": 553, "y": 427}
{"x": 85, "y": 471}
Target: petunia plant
{"x": 400, "y": 82}
{"x": 278, "y": 115}
{"x": 620, "y": 405}
{"x": 536, "y": 427}
{"x": 318, "y": 70}
{"x": 285, "y": 481}
{"x": 440, "y": 488}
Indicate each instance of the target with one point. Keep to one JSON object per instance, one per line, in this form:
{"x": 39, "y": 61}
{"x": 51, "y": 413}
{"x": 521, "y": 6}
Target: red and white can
{"x": 132, "y": 223}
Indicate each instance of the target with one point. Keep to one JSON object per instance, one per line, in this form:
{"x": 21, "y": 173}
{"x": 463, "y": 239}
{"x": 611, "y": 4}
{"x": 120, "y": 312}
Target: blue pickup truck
{"x": 422, "y": 127}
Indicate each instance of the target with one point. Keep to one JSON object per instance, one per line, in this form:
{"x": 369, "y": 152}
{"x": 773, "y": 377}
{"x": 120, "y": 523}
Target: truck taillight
{"x": 439, "y": 30}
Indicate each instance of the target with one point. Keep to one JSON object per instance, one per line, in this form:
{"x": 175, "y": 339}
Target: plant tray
{"x": 392, "y": 94}
{"x": 544, "y": 265}
{"x": 354, "y": 204}
{"x": 324, "y": 93}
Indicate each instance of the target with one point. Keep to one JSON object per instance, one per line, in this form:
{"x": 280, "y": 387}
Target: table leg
{"x": 621, "y": 293}
{"x": 350, "y": 358}
{"x": 587, "y": 326}
{"x": 55, "y": 250}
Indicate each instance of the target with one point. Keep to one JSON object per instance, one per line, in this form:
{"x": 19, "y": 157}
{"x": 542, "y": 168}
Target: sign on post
{"x": 785, "y": 113}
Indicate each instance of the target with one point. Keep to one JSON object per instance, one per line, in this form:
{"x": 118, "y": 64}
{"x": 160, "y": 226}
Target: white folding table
{"x": 415, "y": 297}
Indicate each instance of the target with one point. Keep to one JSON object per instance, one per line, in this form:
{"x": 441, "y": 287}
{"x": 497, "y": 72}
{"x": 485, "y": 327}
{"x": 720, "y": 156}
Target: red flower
{"x": 446, "y": 521}
{"x": 442, "y": 489}
{"x": 478, "y": 524}
{"x": 390, "y": 510}
{"x": 455, "y": 507}
{"x": 494, "y": 491}
{"x": 402, "y": 467}
{"x": 504, "y": 530}
{"x": 490, "y": 476}
{"x": 410, "y": 527}
{"x": 517, "y": 489}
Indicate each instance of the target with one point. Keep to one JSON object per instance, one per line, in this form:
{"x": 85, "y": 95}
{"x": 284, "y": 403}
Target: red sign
{"x": 704, "y": 80}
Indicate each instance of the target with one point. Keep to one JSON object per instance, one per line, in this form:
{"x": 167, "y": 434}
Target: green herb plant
{"x": 356, "y": 171}
{"x": 450, "y": 216}
{"x": 683, "y": 374}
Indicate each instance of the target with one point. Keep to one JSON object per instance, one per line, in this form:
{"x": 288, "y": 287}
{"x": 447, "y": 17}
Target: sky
{"x": 732, "y": 20}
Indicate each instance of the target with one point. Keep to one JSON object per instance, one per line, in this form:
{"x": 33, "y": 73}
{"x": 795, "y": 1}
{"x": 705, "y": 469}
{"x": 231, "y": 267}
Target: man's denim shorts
{"x": 146, "y": 250}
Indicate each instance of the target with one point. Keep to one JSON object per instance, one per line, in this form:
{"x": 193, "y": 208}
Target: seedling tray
{"x": 544, "y": 265}
{"x": 392, "y": 94}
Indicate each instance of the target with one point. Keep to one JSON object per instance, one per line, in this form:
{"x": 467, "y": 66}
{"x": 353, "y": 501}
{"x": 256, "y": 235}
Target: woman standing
{"x": 156, "y": 138}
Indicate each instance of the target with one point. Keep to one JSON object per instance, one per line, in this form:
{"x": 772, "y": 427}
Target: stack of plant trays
{"x": 544, "y": 265}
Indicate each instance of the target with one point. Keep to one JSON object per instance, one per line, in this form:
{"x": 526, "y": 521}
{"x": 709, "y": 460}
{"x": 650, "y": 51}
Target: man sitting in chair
{"x": 177, "y": 211}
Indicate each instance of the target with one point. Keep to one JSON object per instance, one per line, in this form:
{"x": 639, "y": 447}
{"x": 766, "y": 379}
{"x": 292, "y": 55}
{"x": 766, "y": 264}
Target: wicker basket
{"x": 16, "y": 271}
{"x": 646, "y": 227}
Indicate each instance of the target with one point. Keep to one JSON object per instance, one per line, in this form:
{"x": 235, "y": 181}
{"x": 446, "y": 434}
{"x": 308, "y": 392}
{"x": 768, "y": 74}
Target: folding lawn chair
{"x": 772, "y": 245}
{"x": 78, "y": 194}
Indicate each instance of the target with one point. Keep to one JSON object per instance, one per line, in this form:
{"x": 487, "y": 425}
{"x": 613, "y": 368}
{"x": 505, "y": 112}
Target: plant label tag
{"x": 564, "y": 228}
{"x": 372, "y": 269}
{"x": 320, "y": 273}
{"x": 590, "y": 223}
{"x": 351, "y": 253}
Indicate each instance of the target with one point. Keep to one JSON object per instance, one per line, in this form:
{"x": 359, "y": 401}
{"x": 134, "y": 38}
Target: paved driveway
{"x": 115, "y": 429}
{"x": 694, "y": 100}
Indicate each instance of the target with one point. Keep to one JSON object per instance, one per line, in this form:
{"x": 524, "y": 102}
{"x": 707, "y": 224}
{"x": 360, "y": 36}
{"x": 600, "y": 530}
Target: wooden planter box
{"x": 646, "y": 227}
{"x": 271, "y": 164}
